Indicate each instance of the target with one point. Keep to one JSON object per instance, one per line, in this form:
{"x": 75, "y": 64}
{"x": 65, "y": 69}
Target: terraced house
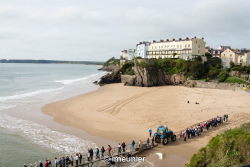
{"x": 182, "y": 48}
{"x": 236, "y": 56}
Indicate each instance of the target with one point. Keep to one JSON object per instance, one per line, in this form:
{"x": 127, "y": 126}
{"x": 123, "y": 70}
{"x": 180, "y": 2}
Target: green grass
{"x": 232, "y": 148}
{"x": 235, "y": 80}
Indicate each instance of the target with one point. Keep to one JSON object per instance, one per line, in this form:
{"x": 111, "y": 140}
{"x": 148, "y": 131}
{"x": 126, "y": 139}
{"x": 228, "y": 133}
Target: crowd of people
{"x": 89, "y": 157}
{"x": 104, "y": 153}
{"x": 199, "y": 128}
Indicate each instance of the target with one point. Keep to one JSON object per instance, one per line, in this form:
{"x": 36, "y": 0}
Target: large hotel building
{"x": 181, "y": 48}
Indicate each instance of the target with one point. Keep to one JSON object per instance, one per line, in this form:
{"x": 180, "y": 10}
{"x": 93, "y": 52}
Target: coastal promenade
{"x": 130, "y": 154}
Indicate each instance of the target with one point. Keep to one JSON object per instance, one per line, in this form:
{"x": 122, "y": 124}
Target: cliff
{"x": 147, "y": 77}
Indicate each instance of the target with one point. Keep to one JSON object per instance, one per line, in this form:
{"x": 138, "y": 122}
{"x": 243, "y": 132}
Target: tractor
{"x": 164, "y": 135}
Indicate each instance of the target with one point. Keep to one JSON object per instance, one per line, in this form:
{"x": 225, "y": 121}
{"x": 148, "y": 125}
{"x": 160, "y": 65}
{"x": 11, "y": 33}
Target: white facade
{"x": 128, "y": 54}
{"x": 182, "y": 48}
{"x": 141, "y": 49}
{"x": 238, "y": 58}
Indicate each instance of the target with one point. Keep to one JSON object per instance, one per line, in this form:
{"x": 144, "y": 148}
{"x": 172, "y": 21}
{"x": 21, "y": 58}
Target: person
{"x": 148, "y": 141}
{"x": 140, "y": 144}
{"x": 109, "y": 150}
{"x": 150, "y": 132}
{"x": 72, "y": 160}
{"x": 97, "y": 153}
{"x": 91, "y": 152}
{"x": 225, "y": 117}
{"x": 67, "y": 160}
{"x": 102, "y": 151}
{"x": 80, "y": 158}
{"x": 40, "y": 164}
{"x": 133, "y": 146}
{"x": 56, "y": 162}
{"x": 184, "y": 135}
{"x": 77, "y": 159}
{"x": 46, "y": 164}
{"x": 119, "y": 149}
{"x": 36, "y": 164}
{"x": 88, "y": 155}
{"x": 153, "y": 141}
{"x": 188, "y": 133}
{"x": 31, "y": 165}
{"x": 123, "y": 147}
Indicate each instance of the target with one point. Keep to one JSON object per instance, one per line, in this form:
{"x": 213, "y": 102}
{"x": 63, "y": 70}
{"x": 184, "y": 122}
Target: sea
{"x": 26, "y": 134}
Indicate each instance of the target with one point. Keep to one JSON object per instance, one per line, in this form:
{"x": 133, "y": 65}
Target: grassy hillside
{"x": 232, "y": 148}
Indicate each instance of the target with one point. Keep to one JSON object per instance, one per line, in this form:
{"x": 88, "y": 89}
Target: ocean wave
{"x": 44, "y": 136}
{"x": 29, "y": 94}
{"x": 70, "y": 81}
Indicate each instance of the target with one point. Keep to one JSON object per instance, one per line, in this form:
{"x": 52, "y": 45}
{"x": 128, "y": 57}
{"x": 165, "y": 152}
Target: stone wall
{"x": 214, "y": 85}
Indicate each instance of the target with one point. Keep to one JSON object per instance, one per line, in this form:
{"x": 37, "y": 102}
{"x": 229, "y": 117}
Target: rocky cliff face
{"x": 147, "y": 77}
{"x": 113, "y": 77}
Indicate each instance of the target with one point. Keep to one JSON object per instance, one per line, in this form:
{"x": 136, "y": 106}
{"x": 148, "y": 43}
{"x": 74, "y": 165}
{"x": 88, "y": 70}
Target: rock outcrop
{"x": 147, "y": 77}
{"x": 113, "y": 77}
{"x": 128, "y": 80}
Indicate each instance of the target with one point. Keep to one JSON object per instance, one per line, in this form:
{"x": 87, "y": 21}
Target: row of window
{"x": 171, "y": 46}
{"x": 169, "y": 52}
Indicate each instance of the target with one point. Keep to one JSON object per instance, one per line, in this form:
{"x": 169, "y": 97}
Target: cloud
{"x": 97, "y": 30}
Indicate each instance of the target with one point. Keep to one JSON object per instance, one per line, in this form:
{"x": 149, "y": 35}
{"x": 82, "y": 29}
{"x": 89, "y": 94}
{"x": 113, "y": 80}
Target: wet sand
{"x": 120, "y": 113}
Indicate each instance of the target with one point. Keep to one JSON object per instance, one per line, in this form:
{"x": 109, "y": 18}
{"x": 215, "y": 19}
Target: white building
{"x": 238, "y": 57}
{"x": 128, "y": 54}
{"x": 181, "y": 48}
{"x": 141, "y": 49}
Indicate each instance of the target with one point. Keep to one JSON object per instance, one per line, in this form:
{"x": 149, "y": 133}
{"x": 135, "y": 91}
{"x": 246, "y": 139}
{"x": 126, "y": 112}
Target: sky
{"x": 96, "y": 30}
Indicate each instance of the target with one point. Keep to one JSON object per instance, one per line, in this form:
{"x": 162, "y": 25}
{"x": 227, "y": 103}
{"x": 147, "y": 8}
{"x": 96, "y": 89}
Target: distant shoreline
{"x": 50, "y": 61}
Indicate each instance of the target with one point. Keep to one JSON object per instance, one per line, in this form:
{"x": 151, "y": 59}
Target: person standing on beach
{"x": 119, "y": 147}
{"x": 88, "y": 155}
{"x": 102, "y": 151}
{"x": 148, "y": 141}
{"x": 150, "y": 132}
{"x": 80, "y": 158}
{"x": 77, "y": 159}
{"x": 140, "y": 143}
{"x": 153, "y": 141}
{"x": 97, "y": 153}
{"x": 91, "y": 154}
{"x": 40, "y": 164}
{"x": 133, "y": 146}
{"x": 109, "y": 150}
{"x": 123, "y": 147}
{"x": 56, "y": 162}
{"x": 72, "y": 160}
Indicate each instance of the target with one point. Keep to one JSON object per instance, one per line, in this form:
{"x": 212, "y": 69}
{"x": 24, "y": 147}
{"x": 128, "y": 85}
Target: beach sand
{"x": 122, "y": 113}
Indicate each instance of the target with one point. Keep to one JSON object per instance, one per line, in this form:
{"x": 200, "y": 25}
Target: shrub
{"x": 223, "y": 75}
{"x": 127, "y": 68}
{"x": 235, "y": 80}
{"x": 232, "y": 148}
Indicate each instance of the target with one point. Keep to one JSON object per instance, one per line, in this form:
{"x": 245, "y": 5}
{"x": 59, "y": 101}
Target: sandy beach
{"x": 121, "y": 113}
